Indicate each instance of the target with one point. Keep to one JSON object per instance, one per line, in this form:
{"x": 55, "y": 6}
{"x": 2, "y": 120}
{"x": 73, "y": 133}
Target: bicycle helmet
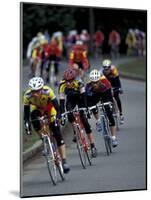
{"x": 106, "y": 64}
{"x": 36, "y": 83}
{"x": 94, "y": 75}
{"x": 70, "y": 74}
{"x": 79, "y": 42}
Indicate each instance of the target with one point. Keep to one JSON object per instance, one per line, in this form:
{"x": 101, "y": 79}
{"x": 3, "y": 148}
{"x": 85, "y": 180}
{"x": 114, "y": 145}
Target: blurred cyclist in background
{"x": 114, "y": 43}
{"x": 70, "y": 41}
{"x": 99, "y": 89}
{"x": 98, "y": 39}
{"x": 53, "y": 54}
{"x": 111, "y": 73}
{"x": 85, "y": 38}
{"x": 140, "y": 42}
{"x": 78, "y": 56}
{"x": 59, "y": 39}
{"x": 130, "y": 41}
{"x": 41, "y": 100}
{"x": 34, "y": 50}
{"x": 72, "y": 91}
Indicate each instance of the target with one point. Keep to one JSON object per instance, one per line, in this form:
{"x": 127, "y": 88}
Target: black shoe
{"x": 93, "y": 152}
{"x": 66, "y": 168}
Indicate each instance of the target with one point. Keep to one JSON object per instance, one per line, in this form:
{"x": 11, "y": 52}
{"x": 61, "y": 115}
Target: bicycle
{"x": 81, "y": 140}
{"x": 105, "y": 126}
{"x": 50, "y": 151}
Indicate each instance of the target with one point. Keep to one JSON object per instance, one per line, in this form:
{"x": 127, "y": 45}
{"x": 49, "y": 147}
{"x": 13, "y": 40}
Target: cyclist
{"x": 112, "y": 74}
{"x": 78, "y": 55}
{"x": 53, "y": 53}
{"x": 99, "y": 88}
{"x": 130, "y": 41}
{"x": 38, "y": 56}
{"x": 98, "y": 39}
{"x": 41, "y": 100}
{"x": 114, "y": 43}
{"x": 72, "y": 90}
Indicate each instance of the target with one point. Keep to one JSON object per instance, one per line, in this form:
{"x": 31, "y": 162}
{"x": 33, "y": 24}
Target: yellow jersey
{"x": 76, "y": 88}
{"x": 43, "y": 101}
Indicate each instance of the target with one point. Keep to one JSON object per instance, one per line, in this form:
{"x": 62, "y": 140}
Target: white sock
{"x": 113, "y": 137}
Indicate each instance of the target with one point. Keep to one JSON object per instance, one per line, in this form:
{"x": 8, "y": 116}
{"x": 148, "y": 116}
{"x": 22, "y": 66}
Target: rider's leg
{"x": 118, "y": 100}
{"x": 61, "y": 145}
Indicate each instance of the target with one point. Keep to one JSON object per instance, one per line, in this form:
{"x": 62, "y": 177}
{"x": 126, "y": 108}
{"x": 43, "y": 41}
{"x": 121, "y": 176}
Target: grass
{"x": 29, "y": 140}
{"x": 136, "y": 67}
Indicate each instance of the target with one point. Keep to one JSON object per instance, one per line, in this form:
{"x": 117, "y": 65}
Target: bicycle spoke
{"x": 50, "y": 160}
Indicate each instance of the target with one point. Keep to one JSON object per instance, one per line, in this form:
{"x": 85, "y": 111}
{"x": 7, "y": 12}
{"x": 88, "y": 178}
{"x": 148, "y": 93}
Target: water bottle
{"x": 98, "y": 126}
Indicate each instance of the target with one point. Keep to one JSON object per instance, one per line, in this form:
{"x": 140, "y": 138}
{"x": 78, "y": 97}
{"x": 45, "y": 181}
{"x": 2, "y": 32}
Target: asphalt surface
{"x": 124, "y": 169}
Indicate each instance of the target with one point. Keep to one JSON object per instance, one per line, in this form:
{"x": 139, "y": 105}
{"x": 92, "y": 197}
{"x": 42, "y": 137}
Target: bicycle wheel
{"x": 59, "y": 166}
{"x": 50, "y": 158}
{"x": 88, "y": 154}
{"x": 107, "y": 139}
{"x": 81, "y": 149}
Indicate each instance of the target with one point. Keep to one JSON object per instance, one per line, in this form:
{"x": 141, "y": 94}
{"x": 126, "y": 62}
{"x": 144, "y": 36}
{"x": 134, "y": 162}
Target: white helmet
{"x": 36, "y": 83}
{"x": 106, "y": 64}
{"x": 79, "y": 42}
{"x": 94, "y": 75}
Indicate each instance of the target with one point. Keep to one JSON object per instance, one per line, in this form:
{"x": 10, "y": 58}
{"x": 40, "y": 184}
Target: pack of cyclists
{"x": 103, "y": 85}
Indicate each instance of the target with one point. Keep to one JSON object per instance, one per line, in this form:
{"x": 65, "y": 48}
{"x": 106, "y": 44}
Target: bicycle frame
{"x": 51, "y": 153}
{"x": 79, "y": 125}
{"x": 82, "y": 144}
{"x": 105, "y": 126}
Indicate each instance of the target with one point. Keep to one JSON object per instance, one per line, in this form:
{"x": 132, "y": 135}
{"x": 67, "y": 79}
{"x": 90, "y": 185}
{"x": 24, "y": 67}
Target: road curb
{"x": 32, "y": 151}
{"x": 29, "y": 153}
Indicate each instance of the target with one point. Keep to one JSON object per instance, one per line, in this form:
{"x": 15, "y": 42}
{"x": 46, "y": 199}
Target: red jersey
{"x": 52, "y": 50}
{"x": 105, "y": 84}
{"x": 98, "y": 38}
{"x": 79, "y": 55}
{"x": 114, "y": 38}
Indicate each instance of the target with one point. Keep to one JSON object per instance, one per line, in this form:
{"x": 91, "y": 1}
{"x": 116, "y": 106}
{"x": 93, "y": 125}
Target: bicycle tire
{"x": 81, "y": 150}
{"x": 88, "y": 157}
{"x": 60, "y": 167}
{"x": 107, "y": 140}
{"x": 50, "y": 158}
{"x": 86, "y": 149}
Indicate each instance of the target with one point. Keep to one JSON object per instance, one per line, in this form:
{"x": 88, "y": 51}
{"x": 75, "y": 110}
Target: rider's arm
{"x": 27, "y": 122}
{"x": 85, "y": 60}
{"x": 26, "y": 112}
{"x": 83, "y": 94}
{"x": 56, "y": 105}
{"x": 71, "y": 59}
{"x": 116, "y": 77}
{"x": 26, "y": 101}
{"x": 117, "y": 82}
{"x": 62, "y": 105}
{"x": 62, "y": 97}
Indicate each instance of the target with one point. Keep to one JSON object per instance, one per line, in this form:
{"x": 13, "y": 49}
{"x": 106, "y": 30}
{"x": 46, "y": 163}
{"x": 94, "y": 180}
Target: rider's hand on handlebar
{"x": 88, "y": 113}
{"x": 63, "y": 122}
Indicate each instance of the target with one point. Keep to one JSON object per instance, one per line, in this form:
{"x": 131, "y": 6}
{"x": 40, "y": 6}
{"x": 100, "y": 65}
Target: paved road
{"x": 125, "y": 169}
